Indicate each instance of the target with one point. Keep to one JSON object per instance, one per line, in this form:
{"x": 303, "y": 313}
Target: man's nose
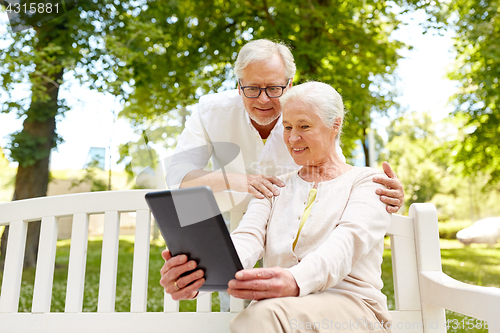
{"x": 263, "y": 98}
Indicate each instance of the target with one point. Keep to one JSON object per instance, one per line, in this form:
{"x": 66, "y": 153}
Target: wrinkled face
{"x": 308, "y": 139}
{"x": 263, "y": 110}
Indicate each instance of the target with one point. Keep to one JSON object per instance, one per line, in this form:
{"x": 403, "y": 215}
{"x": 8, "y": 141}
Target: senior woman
{"x": 321, "y": 238}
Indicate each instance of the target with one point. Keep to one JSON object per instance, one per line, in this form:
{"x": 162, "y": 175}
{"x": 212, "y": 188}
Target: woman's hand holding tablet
{"x": 180, "y": 287}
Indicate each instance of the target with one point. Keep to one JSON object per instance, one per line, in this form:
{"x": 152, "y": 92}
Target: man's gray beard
{"x": 263, "y": 124}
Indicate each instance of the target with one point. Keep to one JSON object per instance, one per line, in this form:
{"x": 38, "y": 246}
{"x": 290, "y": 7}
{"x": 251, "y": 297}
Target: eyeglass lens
{"x": 271, "y": 91}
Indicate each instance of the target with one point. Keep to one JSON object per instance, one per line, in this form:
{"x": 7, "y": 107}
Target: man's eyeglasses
{"x": 271, "y": 91}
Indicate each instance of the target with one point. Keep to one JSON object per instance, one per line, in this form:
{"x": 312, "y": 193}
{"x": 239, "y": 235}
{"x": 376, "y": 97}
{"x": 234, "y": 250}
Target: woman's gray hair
{"x": 264, "y": 49}
{"x": 321, "y": 97}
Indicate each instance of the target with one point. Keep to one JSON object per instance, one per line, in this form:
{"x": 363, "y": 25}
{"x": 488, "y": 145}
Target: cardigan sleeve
{"x": 250, "y": 235}
{"x": 362, "y": 226}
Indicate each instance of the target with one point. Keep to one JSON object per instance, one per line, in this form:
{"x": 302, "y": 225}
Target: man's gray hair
{"x": 264, "y": 49}
{"x": 321, "y": 97}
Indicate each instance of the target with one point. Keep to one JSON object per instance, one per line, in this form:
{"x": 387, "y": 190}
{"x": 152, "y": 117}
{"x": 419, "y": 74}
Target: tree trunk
{"x": 366, "y": 147}
{"x": 32, "y": 178}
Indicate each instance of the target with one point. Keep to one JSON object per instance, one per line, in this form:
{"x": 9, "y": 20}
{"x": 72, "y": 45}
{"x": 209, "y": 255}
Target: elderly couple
{"x": 319, "y": 226}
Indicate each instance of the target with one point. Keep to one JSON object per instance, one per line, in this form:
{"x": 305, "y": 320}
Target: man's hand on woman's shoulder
{"x": 393, "y": 195}
{"x": 261, "y": 186}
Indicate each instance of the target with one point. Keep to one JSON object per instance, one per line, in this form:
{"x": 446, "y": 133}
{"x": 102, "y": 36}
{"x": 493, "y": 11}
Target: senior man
{"x": 241, "y": 132}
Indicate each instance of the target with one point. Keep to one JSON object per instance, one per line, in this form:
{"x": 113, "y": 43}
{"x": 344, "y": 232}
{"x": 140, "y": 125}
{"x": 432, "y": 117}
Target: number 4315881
{"x": 469, "y": 324}
{"x": 33, "y": 8}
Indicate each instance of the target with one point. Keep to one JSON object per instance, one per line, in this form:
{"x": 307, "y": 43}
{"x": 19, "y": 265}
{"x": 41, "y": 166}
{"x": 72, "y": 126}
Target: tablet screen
{"x": 190, "y": 222}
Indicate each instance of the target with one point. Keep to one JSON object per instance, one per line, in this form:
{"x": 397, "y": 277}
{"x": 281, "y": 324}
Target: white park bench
{"x": 421, "y": 290}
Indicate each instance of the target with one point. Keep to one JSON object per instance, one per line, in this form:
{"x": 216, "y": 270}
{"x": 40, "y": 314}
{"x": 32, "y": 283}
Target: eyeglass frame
{"x": 264, "y": 89}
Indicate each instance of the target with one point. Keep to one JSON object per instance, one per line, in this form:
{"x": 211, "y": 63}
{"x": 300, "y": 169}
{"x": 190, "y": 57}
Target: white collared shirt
{"x": 220, "y": 130}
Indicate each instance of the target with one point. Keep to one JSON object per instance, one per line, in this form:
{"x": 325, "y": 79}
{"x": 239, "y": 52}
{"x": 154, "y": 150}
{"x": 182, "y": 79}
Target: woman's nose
{"x": 294, "y": 137}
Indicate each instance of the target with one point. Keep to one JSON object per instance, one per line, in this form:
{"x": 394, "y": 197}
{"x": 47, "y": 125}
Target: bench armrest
{"x": 476, "y": 301}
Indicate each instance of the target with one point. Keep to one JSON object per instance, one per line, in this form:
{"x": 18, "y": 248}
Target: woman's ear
{"x": 337, "y": 123}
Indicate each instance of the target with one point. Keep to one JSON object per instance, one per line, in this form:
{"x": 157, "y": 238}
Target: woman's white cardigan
{"x": 341, "y": 244}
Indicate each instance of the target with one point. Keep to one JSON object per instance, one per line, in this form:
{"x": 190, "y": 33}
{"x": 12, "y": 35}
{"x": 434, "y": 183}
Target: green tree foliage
{"x": 40, "y": 58}
{"x": 189, "y": 51}
{"x": 416, "y": 156}
{"x": 477, "y": 27}
{"x": 478, "y": 71}
{"x": 420, "y": 151}
{"x": 161, "y": 55}
{"x": 92, "y": 176}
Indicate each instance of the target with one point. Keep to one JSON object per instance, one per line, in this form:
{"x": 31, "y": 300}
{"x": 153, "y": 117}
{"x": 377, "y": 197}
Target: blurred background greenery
{"x": 157, "y": 57}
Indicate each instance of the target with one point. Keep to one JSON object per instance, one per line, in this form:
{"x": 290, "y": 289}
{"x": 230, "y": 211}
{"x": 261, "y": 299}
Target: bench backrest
{"x": 49, "y": 209}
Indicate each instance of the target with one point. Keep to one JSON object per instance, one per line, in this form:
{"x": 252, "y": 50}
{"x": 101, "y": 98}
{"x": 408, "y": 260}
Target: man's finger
{"x": 388, "y": 170}
{"x": 256, "y": 193}
{"x": 275, "y": 181}
{"x": 392, "y": 209}
{"x": 262, "y": 188}
{"x": 387, "y": 182}
{"x": 390, "y": 201}
{"x": 395, "y": 194}
{"x": 266, "y": 185}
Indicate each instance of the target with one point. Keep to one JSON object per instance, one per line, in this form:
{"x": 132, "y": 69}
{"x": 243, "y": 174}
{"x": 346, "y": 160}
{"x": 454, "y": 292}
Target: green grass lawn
{"x": 477, "y": 264}
{"x": 124, "y": 279}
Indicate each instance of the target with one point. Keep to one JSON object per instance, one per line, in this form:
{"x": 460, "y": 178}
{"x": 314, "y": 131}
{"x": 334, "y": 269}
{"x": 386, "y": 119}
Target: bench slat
{"x": 139, "y": 294}
{"x": 44, "y": 276}
{"x": 119, "y": 322}
{"x": 109, "y": 262}
{"x": 204, "y": 303}
{"x": 407, "y": 322}
{"x": 70, "y": 204}
{"x": 404, "y": 270}
{"x": 77, "y": 263}
{"x": 169, "y": 305}
{"x": 403, "y": 322}
{"x": 401, "y": 226}
{"x": 13, "y": 269}
{"x": 236, "y": 304}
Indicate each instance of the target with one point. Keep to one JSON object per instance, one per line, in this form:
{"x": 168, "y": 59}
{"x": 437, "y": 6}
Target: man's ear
{"x": 290, "y": 84}
{"x": 238, "y": 87}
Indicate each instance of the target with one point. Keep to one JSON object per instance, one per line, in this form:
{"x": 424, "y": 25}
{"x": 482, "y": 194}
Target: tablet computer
{"x": 191, "y": 224}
